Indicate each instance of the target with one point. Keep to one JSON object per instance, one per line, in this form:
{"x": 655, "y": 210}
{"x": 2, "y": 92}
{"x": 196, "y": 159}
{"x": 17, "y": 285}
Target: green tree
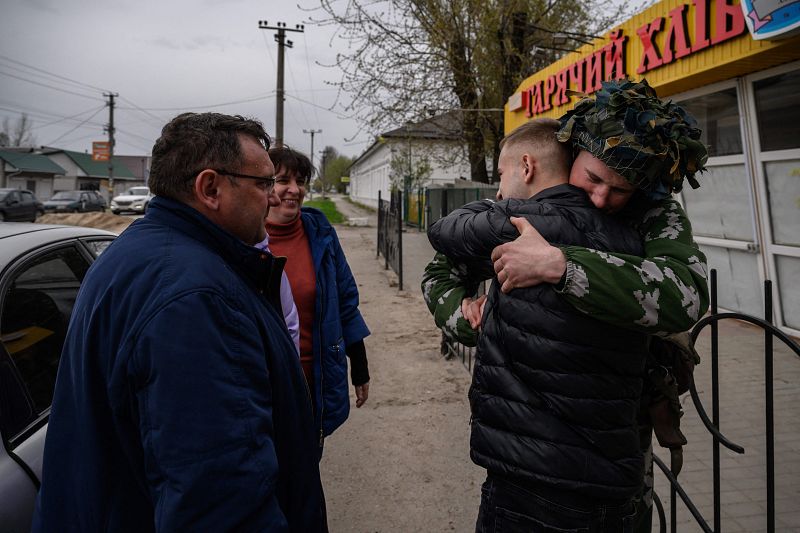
{"x": 333, "y": 167}
{"x": 408, "y": 170}
{"x": 406, "y": 57}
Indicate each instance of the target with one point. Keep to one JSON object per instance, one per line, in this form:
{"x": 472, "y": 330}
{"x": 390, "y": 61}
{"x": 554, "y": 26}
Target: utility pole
{"x": 280, "y": 38}
{"x": 312, "y": 132}
{"x": 110, "y": 129}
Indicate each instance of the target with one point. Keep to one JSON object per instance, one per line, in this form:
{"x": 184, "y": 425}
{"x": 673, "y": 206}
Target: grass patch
{"x": 328, "y": 208}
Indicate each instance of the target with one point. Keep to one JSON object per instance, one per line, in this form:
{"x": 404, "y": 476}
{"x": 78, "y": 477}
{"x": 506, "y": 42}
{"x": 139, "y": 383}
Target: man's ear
{"x": 207, "y": 190}
{"x": 528, "y": 167}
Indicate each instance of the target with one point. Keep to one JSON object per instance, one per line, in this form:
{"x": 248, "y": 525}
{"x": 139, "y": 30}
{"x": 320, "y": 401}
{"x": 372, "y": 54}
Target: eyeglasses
{"x": 265, "y": 183}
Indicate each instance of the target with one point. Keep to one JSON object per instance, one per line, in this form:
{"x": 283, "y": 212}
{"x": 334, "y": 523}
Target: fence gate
{"x": 390, "y": 233}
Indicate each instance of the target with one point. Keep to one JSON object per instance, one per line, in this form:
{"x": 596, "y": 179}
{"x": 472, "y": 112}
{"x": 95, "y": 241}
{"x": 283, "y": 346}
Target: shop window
{"x": 783, "y": 188}
{"x": 717, "y": 115}
{"x": 788, "y": 274}
{"x": 724, "y": 185}
{"x": 778, "y": 109}
{"x": 738, "y": 279}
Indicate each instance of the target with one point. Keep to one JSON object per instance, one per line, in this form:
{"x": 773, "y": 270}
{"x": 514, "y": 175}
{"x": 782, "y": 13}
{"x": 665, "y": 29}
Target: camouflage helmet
{"x": 653, "y": 144}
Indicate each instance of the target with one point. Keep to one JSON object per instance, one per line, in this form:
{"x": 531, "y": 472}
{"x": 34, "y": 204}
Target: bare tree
{"x": 408, "y": 56}
{"x": 19, "y": 133}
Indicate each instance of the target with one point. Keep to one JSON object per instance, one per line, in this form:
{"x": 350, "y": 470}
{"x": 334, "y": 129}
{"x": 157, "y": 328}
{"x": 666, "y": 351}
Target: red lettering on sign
{"x": 576, "y": 75}
{"x": 615, "y": 56}
{"x": 594, "y": 72}
{"x": 562, "y": 85}
{"x": 677, "y": 39}
{"x": 549, "y": 88}
{"x": 526, "y": 102}
{"x": 729, "y": 21}
{"x": 700, "y": 25}
{"x": 650, "y": 57}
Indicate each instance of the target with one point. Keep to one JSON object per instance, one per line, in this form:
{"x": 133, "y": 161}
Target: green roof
{"x": 99, "y": 169}
{"x": 28, "y": 162}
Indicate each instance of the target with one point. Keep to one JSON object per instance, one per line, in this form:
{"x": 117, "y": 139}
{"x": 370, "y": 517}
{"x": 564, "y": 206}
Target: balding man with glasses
{"x": 180, "y": 403}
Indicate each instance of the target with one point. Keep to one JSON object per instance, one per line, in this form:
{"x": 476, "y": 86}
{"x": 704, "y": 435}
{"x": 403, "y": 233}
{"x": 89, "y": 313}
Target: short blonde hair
{"x": 539, "y": 137}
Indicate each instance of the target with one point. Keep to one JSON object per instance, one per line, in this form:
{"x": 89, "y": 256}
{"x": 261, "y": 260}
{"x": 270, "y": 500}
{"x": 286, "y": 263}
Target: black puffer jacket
{"x": 555, "y": 392}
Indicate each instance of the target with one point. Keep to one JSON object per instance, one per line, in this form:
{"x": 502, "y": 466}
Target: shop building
{"x": 737, "y": 69}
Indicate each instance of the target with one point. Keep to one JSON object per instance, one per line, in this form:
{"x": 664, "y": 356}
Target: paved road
{"x": 742, "y": 408}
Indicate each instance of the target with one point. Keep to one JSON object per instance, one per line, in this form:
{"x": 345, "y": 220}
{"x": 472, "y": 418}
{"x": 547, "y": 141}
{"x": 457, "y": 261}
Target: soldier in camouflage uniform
{"x": 653, "y": 145}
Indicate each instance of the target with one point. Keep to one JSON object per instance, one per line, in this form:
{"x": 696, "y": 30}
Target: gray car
{"x": 20, "y": 205}
{"x": 41, "y": 270}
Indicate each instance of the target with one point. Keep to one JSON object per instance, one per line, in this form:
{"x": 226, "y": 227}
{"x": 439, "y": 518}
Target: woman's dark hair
{"x": 192, "y": 142}
{"x": 291, "y": 161}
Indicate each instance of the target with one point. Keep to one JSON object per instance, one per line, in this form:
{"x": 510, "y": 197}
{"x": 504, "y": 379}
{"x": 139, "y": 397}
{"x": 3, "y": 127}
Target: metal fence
{"x": 451, "y": 348}
{"x": 440, "y": 202}
{"x": 712, "y": 425}
{"x": 390, "y": 233}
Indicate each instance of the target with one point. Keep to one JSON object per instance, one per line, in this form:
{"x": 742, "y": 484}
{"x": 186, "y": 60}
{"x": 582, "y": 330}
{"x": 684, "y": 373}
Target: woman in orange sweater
{"x": 325, "y": 293}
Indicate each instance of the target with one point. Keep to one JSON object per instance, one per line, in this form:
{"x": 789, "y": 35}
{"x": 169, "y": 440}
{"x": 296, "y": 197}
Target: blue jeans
{"x": 507, "y": 507}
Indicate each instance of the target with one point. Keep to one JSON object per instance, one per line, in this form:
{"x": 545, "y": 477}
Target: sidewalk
{"x": 402, "y": 358}
{"x": 401, "y": 462}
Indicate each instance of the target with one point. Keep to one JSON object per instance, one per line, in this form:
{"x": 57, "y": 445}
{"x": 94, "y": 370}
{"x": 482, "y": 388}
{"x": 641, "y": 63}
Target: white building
{"x": 437, "y": 139}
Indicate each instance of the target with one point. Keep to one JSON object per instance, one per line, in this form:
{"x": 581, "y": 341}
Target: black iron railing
{"x": 713, "y": 424}
{"x": 390, "y": 233}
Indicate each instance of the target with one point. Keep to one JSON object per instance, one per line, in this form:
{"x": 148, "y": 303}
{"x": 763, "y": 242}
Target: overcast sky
{"x": 165, "y": 57}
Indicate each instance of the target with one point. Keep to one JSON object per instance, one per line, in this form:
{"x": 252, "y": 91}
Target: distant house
{"x": 438, "y": 140}
{"x": 27, "y": 170}
{"x": 139, "y": 165}
{"x": 82, "y": 173}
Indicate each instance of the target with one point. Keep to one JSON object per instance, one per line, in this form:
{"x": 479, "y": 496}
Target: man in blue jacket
{"x": 180, "y": 403}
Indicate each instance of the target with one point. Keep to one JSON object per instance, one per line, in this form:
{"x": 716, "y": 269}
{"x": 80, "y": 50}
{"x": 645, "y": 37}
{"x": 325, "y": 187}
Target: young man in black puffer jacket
{"x": 555, "y": 392}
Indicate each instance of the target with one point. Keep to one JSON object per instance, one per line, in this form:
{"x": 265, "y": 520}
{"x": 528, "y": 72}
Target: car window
{"x": 36, "y": 308}
{"x": 98, "y": 247}
{"x": 65, "y": 196}
{"x": 13, "y": 196}
{"x": 28, "y": 197}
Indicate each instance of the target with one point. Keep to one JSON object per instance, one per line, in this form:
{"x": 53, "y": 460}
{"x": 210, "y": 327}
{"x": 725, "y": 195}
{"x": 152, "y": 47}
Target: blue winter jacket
{"x": 180, "y": 403}
{"x": 337, "y": 321}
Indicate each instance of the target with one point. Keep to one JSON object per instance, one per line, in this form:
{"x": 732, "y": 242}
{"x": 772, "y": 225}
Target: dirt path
{"x": 401, "y": 462}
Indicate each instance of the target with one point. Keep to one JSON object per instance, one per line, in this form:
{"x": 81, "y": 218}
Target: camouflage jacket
{"x": 664, "y": 292}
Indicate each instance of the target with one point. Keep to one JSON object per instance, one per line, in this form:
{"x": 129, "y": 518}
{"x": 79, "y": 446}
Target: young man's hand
{"x": 529, "y": 260}
{"x": 472, "y": 309}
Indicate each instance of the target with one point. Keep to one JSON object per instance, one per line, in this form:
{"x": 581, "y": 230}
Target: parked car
{"x": 75, "y": 202}
{"x": 19, "y": 204}
{"x": 134, "y": 199}
{"x": 41, "y": 269}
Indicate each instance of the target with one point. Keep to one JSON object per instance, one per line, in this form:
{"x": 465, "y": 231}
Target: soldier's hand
{"x": 527, "y": 261}
{"x": 472, "y": 309}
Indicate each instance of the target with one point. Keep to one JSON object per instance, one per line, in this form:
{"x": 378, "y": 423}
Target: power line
{"x": 48, "y": 86}
{"x": 243, "y": 101}
{"x": 310, "y": 78}
{"x": 45, "y": 115}
{"x": 145, "y": 111}
{"x": 76, "y": 127}
{"x": 52, "y": 74}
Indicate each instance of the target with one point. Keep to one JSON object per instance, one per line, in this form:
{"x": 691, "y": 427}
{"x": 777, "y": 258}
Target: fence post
{"x": 400, "y": 244}
{"x": 378, "y": 252}
{"x": 770, "y": 433}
